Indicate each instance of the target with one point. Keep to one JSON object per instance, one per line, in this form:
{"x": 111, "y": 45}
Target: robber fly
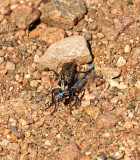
{"x": 67, "y": 76}
{"x": 69, "y": 85}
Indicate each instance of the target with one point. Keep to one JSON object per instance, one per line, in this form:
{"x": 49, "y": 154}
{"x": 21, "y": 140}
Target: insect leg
{"x": 54, "y": 91}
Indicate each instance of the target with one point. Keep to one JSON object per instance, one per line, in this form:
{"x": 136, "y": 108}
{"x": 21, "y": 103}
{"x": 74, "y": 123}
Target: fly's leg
{"x": 70, "y": 99}
{"x": 55, "y": 108}
{"x": 54, "y": 91}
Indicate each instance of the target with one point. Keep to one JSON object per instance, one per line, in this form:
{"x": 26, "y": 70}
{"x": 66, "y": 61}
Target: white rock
{"x": 127, "y": 49}
{"x": 69, "y": 49}
{"x": 137, "y": 84}
{"x": 10, "y": 66}
{"x": 121, "y": 62}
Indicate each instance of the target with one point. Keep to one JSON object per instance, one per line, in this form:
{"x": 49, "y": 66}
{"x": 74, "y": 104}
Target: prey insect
{"x": 70, "y": 87}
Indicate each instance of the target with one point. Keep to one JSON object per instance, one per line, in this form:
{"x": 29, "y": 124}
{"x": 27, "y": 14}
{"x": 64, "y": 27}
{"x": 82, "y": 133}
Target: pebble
{"x": 4, "y": 142}
{"x": 3, "y": 71}
{"x": 34, "y": 83}
{"x": 23, "y": 122}
{"x": 110, "y": 33}
{"x": 114, "y": 100}
{"x": 127, "y": 49}
{"x": 13, "y": 128}
{"x": 25, "y": 16}
{"x": 13, "y": 146}
{"x": 10, "y": 65}
{"x": 88, "y": 36}
{"x": 47, "y": 143}
{"x": 51, "y": 34}
{"x": 1, "y": 53}
{"x": 137, "y": 84}
{"x": 100, "y": 35}
{"x": 92, "y": 111}
{"x": 118, "y": 154}
{"x": 107, "y": 120}
{"x": 27, "y": 134}
{"x": 40, "y": 123}
{"x": 128, "y": 125}
{"x": 1, "y": 59}
{"x": 121, "y": 62}
{"x": 70, "y": 152}
{"x": 110, "y": 73}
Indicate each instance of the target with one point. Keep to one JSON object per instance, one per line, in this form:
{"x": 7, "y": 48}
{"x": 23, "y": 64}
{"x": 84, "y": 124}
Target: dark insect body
{"x": 70, "y": 86}
{"x": 67, "y": 76}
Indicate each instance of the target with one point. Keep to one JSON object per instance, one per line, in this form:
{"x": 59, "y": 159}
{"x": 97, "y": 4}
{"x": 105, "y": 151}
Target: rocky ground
{"x": 33, "y": 43}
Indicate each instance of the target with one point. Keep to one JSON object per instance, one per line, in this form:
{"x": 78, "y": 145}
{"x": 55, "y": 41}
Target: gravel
{"x": 106, "y": 125}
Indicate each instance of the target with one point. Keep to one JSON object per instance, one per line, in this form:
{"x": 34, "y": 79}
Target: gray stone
{"x": 63, "y": 13}
{"x": 69, "y": 49}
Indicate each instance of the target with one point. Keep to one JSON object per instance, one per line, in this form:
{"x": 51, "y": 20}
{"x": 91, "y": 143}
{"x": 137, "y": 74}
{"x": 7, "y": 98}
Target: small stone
{"x": 27, "y": 134}
{"x": 70, "y": 152}
{"x": 137, "y": 84}
{"x": 128, "y": 125}
{"x": 25, "y": 16}
{"x": 4, "y": 142}
{"x": 51, "y": 35}
{"x": 92, "y": 111}
{"x": 114, "y": 100}
{"x": 103, "y": 157}
{"x": 100, "y": 35}
{"x": 132, "y": 106}
{"x": 33, "y": 154}
{"x": 38, "y": 97}
{"x": 13, "y": 128}
{"x": 1, "y": 59}
{"x": 106, "y": 134}
{"x": 92, "y": 27}
{"x": 19, "y": 134}
{"x": 110, "y": 73}
{"x": 3, "y": 71}
{"x": 119, "y": 154}
{"x": 1, "y": 53}
{"x": 36, "y": 75}
{"x": 23, "y": 122}
{"x": 10, "y": 66}
{"x": 88, "y": 36}
{"x": 121, "y": 62}
{"x": 110, "y": 33}
{"x": 119, "y": 26}
{"x": 23, "y": 157}
{"x": 40, "y": 123}
{"x": 107, "y": 120}
{"x": 13, "y": 146}
{"x": 47, "y": 143}
{"x": 127, "y": 49}
{"x": 34, "y": 83}
{"x": 136, "y": 56}
{"x": 14, "y": 138}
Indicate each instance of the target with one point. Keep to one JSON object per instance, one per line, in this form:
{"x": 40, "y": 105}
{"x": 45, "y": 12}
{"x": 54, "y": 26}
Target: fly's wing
{"x": 66, "y": 76}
